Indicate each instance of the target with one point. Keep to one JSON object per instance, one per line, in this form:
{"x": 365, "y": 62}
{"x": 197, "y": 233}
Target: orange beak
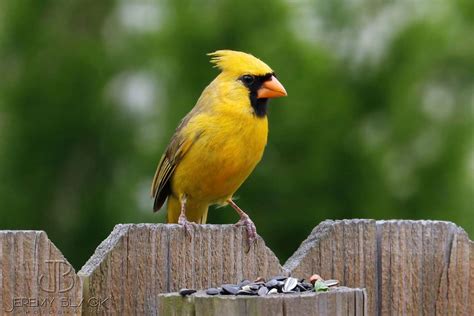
{"x": 271, "y": 89}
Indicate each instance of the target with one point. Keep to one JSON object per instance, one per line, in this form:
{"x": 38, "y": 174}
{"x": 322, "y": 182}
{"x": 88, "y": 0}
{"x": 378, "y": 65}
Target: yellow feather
{"x": 239, "y": 63}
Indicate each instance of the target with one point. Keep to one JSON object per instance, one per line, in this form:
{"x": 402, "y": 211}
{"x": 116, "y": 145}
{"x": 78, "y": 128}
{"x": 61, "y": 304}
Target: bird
{"x": 218, "y": 143}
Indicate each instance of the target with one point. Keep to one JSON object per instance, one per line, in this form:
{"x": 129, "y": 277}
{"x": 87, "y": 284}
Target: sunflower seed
{"x": 230, "y": 289}
{"x": 262, "y": 291}
{"x": 246, "y": 288}
{"x": 254, "y": 287}
{"x": 290, "y": 284}
{"x": 244, "y": 283}
{"x": 331, "y": 283}
{"x": 272, "y": 283}
{"x": 242, "y": 292}
{"x": 185, "y": 292}
{"x": 307, "y": 285}
{"x": 301, "y": 287}
{"x": 272, "y": 291}
{"x": 212, "y": 291}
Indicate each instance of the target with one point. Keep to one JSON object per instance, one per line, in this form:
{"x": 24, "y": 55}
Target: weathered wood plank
{"x": 443, "y": 268}
{"x": 35, "y": 277}
{"x": 343, "y": 250}
{"x": 137, "y": 262}
{"x": 340, "y": 301}
{"x": 407, "y": 267}
{"x": 172, "y": 304}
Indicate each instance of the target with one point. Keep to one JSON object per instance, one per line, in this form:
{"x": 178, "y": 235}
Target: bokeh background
{"x": 379, "y": 122}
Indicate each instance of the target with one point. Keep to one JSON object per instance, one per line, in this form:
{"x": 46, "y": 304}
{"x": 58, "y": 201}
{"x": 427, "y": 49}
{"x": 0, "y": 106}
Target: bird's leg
{"x": 244, "y": 221}
{"x": 182, "y": 220}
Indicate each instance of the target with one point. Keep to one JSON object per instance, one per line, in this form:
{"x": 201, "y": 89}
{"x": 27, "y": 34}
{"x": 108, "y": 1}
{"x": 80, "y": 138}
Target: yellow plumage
{"x": 238, "y": 63}
{"x": 217, "y": 145}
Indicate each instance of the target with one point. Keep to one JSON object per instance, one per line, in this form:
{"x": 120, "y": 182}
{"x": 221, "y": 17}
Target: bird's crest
{"x": 239, "y": 63}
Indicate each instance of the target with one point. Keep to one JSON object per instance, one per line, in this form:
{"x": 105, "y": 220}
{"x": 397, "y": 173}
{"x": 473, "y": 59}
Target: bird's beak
{"x": 271, "y": 89}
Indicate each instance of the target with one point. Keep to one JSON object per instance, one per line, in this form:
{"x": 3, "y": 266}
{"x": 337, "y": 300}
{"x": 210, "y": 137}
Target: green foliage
{"x": 379, "y": 121}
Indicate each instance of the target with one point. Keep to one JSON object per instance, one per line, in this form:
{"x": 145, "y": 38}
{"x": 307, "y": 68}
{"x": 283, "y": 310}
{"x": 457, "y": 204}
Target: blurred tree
{"x": 61, "y": 142}
{"x": 378, "y": 122}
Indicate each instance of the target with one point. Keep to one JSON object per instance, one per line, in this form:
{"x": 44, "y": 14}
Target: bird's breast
{"x": 225, "y": 154}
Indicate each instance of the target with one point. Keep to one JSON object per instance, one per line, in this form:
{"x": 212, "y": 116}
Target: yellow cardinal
{"x": 219, "y": 143}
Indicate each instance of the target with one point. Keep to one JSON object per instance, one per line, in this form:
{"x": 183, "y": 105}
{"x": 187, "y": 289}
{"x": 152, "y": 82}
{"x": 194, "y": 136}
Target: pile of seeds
{"x": 277, "y": 284}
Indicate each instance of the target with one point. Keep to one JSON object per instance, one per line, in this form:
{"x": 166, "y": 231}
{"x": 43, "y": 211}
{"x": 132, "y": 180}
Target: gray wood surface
{"x": 35, "y": 277}
{"x": 340, "y": 301}
{"x": 407, "y": 267}
{"x": 137, "y": 262}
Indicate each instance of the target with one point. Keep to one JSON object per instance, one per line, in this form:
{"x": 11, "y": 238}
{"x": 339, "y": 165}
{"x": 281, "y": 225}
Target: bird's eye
{"x": 248, "y": 79}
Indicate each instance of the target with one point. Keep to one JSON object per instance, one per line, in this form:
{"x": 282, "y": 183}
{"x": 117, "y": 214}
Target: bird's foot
{"x": 188, "y": 226}
{"x": 249, "y": 226}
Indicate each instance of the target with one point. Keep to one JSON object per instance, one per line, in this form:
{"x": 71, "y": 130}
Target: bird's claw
{"x": 188, "y": 226}
{"x": 250, "y": 227}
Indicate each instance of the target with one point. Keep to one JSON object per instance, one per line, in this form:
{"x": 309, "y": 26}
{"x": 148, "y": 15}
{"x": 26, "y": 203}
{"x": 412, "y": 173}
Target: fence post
{"x": 138, "y": 262}
{"x": 36, "y": 279}
{"x": 407, "y": 267}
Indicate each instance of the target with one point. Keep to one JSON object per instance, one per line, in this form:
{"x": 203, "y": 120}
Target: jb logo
{"x": 60, "y": 280}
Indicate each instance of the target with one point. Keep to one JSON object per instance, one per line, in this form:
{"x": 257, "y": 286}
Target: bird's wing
{"x": 177, "y": 148}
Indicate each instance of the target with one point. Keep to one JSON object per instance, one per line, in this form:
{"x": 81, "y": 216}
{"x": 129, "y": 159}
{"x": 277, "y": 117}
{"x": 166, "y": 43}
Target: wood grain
{"x": 137, "y": 262}
{"x": 343, "y": 250}
{"x": 35, "y": 276}
{"x": 407, "y": 267}
{"x": 340, "y": 301}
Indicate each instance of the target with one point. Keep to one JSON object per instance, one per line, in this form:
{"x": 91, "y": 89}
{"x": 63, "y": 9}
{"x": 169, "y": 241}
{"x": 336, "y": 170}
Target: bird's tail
{"x": 195, "y": 211}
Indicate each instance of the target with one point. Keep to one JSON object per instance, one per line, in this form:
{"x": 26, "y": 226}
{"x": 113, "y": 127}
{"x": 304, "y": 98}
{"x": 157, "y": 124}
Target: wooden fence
{"x": 406, "y": 267}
